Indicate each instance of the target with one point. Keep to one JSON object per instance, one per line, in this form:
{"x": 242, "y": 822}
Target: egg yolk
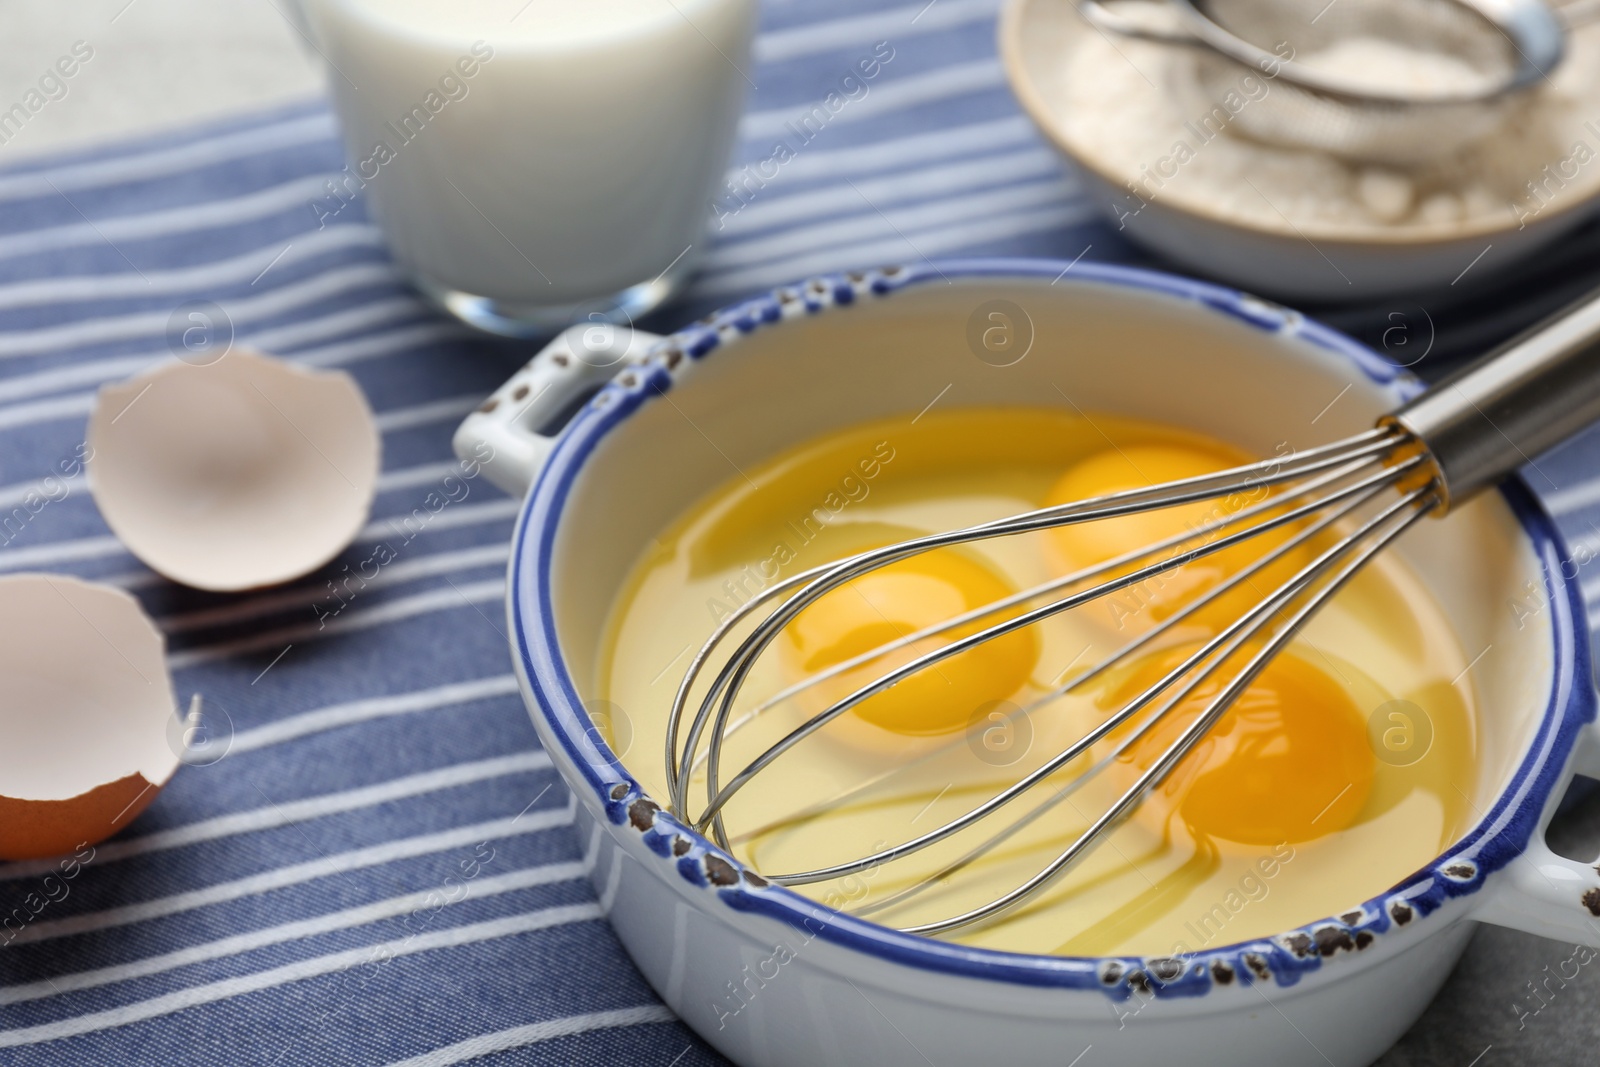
{"x": 1141, "y": 466}
{"x": 897, "y": 601}
{"x": 1288, "y": 762}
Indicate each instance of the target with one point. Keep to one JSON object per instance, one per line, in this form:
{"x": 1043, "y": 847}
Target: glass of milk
{"x": 535, "y": 163}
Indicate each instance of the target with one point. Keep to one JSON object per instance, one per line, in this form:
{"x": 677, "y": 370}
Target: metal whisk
{"x": 1356, "y": 496}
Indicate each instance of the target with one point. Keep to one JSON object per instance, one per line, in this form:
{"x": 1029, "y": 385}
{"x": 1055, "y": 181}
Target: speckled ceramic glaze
{"x": 772, "y": 978}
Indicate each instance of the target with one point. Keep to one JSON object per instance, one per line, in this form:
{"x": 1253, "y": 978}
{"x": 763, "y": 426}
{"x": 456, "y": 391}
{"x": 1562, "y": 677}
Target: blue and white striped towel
{"x": 264, "y": 910}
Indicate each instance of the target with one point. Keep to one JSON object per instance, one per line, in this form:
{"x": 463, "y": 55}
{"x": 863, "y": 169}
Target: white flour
{"x": 1386, "y": 66}
{"x": 1121, "y": 113}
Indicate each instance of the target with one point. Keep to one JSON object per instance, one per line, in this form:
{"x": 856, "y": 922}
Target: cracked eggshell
{"x": 87, "y": 714}
{"x": 236, "y": 474}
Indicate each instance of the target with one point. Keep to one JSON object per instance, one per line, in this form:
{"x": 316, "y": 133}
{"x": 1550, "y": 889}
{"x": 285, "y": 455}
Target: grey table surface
{"x": 164, "y": 63}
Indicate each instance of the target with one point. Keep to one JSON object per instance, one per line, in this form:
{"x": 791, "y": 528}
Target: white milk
{"x": 543, "y": 154}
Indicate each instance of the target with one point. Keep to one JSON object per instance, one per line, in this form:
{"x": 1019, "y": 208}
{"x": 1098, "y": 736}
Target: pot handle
{"x": 1546, "y": 894}
{"x": 505, "y": 436}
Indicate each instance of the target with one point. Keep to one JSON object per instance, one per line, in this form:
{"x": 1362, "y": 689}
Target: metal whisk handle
{"x": 1482, "y": 423}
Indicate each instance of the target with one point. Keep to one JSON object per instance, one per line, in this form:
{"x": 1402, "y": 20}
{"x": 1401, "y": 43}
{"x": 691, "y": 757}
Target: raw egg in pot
{"x": 1139, "y": 466}
{"x": 1288, "y": 762}
{"x": 895, "y": 602}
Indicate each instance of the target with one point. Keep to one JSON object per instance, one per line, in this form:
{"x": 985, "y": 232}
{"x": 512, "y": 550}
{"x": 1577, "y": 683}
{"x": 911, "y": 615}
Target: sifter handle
{"x": 1483, "y": 422}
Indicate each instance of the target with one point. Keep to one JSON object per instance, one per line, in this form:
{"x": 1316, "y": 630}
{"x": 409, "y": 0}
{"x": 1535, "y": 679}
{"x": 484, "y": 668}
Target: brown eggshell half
{"x": 235, "y": 474}
{"x": 34, "y": 829}
{"x": 87, "y": 713}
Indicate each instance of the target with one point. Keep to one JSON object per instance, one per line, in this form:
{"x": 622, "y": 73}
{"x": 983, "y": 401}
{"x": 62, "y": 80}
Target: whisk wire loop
{"x": 746, "y": 656}
{"x": 728, "y": 683}
{"x": 1368, "y": 446}
{"x": 1228, "y": 585}
{"x": 1234, "y": 636}
{"x": 1300, "y": 539}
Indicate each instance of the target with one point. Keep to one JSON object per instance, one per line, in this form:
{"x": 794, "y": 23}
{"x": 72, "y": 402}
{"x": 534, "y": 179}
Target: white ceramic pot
{"x": 772, "y": 978}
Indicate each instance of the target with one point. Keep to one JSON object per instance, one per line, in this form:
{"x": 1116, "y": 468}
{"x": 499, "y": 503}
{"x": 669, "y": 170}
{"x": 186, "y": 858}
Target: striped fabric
{"x": 379, "y": 871}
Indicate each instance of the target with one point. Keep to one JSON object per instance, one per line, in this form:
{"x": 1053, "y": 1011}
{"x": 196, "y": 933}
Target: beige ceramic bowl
{"x": 1299, "y": 260}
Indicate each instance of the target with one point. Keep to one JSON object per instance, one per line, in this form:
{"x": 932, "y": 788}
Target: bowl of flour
{"x": 1175, "y": 166}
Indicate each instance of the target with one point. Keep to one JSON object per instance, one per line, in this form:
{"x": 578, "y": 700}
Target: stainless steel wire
{"x": 815, "y": 582}
{"x": 1310, "y": 495}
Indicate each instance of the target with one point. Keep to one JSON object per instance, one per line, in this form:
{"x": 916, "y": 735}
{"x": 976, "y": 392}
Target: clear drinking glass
{"x": 535, "y": 163}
